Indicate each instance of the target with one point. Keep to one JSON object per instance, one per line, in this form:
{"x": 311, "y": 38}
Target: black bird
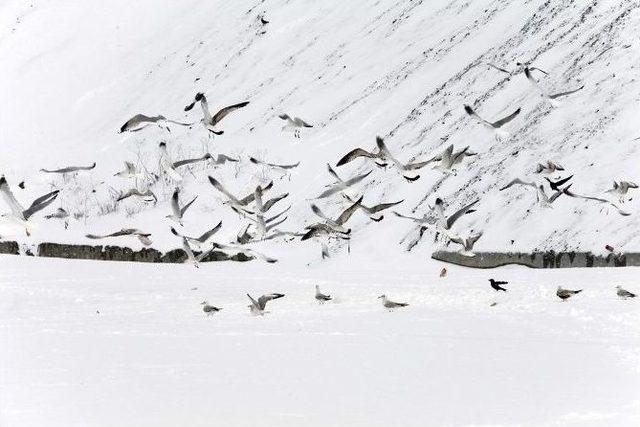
{"x": 495, "y": 284}
{"x": 555, "y": 186}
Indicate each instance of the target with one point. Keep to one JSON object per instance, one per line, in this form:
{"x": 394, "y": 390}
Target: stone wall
{"x": 548, "y": 259}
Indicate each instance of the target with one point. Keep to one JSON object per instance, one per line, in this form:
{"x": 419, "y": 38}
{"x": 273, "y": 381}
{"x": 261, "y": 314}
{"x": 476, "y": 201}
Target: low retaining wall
{"x": 549, "y": 259}
{"x": 116, "y": 253}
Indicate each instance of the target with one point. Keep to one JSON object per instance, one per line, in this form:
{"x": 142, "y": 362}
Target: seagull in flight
{"x": 142, "y": 236}
{"x": 445, "y": 222}
{"x": 406, "y": 169}
{"x": 449, "y": 159}
{"x": 340, "y": 184}
{"x": 257, "y": 307}
{"x": 166, "y": 164}
{"x": 323, "y": 229}
{"x": 284, "y": 167}
{"x": 467, "y": 244}
{"x": 177, "y": 211}
{"x": 356, "y": 153}
{"x": 294, "y": 124}
{"x": 555, "y": 185}
{"x": 69, "y": 169}
{"x": 548, "y": 168}
{"x": 598, "y": 200}
{"x": 247, "y": 252}
{"x": 201, "y": 240}
{"x": 495, "y": 126}
{"x": 373, "y": 211}
{"x": 338, "y": 223}
{"x": 541, "y": 195}
{"x": 20, "y": 214}
{"x": 140, "y": 121}
{"x": 147, "y": 196}
{"x": 130, "y": 171}
{"x": 238, "y": 205}
{"x": 622, "y": 188}
{"x": 551, "y": 97}
{"x": 209, "y": 121}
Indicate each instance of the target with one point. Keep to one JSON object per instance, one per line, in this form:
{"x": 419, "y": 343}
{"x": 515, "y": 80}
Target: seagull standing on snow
{"x": 320, "y": 297}
{"x": 209, "y": 309}
{"x": 623, "y": 293}
{"x": 564, "y": 294}
{"x": 257, "y": 307}
{"x": 387, "y": 303}
{"x": 18, "y": 213}
{"x": 208, "y": 121}
{"x": 177, "y": 211}
{"x": 294, "y": 124}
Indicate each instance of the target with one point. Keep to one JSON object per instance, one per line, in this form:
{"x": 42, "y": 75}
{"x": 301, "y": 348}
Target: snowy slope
{"x": 73, "y": 72}
{"x": 151, "y": 357}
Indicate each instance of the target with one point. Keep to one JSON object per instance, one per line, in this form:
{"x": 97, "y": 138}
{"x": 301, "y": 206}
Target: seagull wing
{"x": 346, "y": 214}
{"x": 354, "y": 154}
{"x": 271, "y": 202}
{"x": 383, "y": 206}
{"x": 519, "y": 182}
{"x": 505, "y": 120}
{"x": 222, "y": 159}
{"x": 262, "y": 301}
{"x": 561, "y": 94}
{"x": 218, "y": 186}
{"x": 453, "y": 218}
{"x": 226, "y": 110}
{"x": 185, "y": 207}
{"x": 356, "y": 179}
{"x": 299, "y": 122}
{"x": 205, "y": 236}
{"x": 10, "y": 199}
{"x": 316, "y": 210}
{"x": 41, "y": 203}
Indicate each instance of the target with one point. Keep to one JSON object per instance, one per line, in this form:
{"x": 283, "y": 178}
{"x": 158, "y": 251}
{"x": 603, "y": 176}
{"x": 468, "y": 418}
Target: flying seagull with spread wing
{"x": 209, "y": 121}
{"x": 20, "y": 214}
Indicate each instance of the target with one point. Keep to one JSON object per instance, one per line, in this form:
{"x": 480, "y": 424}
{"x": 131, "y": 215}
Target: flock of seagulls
{"x": 258, "y": 307}
{"x": 256, "y": 208}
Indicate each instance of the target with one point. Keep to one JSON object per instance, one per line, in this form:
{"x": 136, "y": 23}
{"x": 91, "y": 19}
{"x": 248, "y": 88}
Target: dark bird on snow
{"x": 564, "y": 294}
{"x": 495, "y": 284}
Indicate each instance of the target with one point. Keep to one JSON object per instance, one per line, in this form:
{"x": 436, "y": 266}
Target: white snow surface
{"x": 73, "y": 72}
{"x": 86, "y": 343}
{"x": 151, "y": 357}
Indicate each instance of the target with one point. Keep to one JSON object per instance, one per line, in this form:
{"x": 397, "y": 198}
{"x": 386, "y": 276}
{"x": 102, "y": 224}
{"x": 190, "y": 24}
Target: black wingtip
{"x": 468, "y": 109}
{"x": 412, "y": 179}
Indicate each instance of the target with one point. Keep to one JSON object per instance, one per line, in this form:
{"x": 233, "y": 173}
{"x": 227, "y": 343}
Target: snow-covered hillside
{"x": 73, "y": 73}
